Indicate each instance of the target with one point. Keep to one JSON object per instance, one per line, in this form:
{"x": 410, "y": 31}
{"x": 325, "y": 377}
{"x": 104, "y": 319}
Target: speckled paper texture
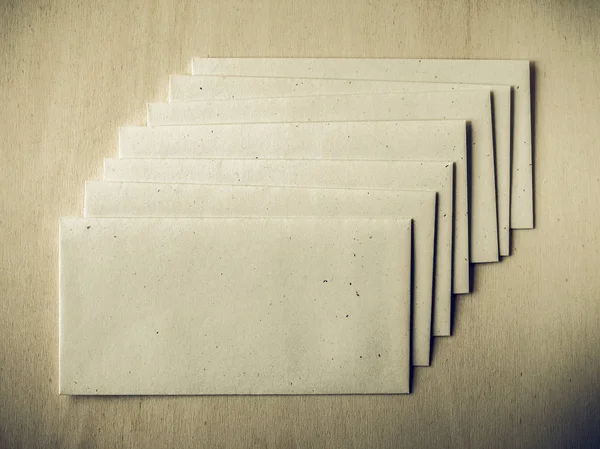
{"x": 194, "y": 88}
{"x": 507, "y": 72}
{"x": 394, "y": 141}
{"x": 396, "y": 175}
{"x": 474, "y": 106}
{"x": 105, "y": 199}
{"x": 234, "y": 306}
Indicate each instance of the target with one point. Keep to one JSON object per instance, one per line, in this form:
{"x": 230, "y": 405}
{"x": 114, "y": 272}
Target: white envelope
{"x": 508, "y": 72}
{"x": 114, "y": 199}
{"x": 472, "y": 105}
{"x": 395, "y": 141}
{"x": 393, "y": 175}
{"x": 196, "y": 88}
{"x": 234, "y": 306}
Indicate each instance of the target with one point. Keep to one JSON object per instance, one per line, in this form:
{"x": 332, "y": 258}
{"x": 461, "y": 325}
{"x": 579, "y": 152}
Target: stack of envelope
{"x": 293, "y": 226}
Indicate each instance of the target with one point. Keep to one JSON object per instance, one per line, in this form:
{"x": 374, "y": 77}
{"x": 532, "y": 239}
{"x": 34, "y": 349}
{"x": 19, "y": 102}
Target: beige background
{"x": 523, "y": 369}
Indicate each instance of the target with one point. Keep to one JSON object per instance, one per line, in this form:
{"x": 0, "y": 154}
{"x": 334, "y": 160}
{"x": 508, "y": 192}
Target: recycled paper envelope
{"x": 508, "y": 72}
{"x": 472, "y": 105}
{"x": 234, "y": 306}
{"x": 392, "y": 175}
{"x": 114, "y": 199}
{"x": 440, "y": 141}
{"x": 194, "y": 88}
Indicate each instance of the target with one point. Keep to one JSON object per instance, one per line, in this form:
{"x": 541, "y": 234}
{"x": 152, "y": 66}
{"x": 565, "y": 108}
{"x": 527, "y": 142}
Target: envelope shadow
{"x": 532, "y": 87}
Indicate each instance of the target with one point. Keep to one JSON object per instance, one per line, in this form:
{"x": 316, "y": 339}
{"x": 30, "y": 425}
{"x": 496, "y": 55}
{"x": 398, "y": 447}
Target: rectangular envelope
{"x": 375, "y": 141}
{"x": 508, "y": 72}
{"x": 392, "y": 175}
{"x": 474, "y": 106}
{"x": 196, "y": 88}
{"x": 234, "y": 306}
{"x": 112, "y": 199}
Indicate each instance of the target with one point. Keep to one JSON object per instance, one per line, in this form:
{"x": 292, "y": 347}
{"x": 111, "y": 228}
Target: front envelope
{"x": 234, "y": 306}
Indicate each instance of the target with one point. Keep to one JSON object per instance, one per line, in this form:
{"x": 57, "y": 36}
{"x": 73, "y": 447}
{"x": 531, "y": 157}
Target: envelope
{"x": 508, "y": 72}
{"x": 437, "y": 140}
{"x": 394, "y": 175}
{"x": 196, "y": 88}
{"x": 112, "y": 199}
{"x": 472, "y": 105}
{"x": 234, "y": 306}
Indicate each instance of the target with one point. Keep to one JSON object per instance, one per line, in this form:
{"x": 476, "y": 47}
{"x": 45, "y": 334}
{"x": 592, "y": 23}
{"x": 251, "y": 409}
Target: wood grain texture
{"x": 522, "y": 369}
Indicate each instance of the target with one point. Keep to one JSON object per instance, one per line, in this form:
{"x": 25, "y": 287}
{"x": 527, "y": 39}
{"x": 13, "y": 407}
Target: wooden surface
{"x": 523, "y": 368}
